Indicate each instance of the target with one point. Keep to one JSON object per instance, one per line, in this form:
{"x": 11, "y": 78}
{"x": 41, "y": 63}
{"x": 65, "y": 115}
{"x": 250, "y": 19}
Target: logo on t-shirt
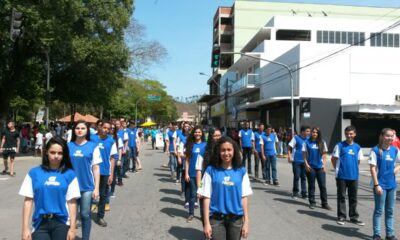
{"x": 314, "y": 146}
{"x": 197, "y": 150}
{"x": 227, "y": 181}
{"x": 78, "y": 153}
{"x": 101, "y": 146}
{"x": 269, "y": 140}
{"x": 351, "y": 152}
{"x": 52, "y": 181}
{"x": 388, "y": 158}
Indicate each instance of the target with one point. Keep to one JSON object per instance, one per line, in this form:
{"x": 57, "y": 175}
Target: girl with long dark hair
{"x": 195, "y": 147}
{"x": 314, "y": 153}
{"x": 50, "y": 191}
{"x": 225, "y": 188}
{"x": 85, "y": 158}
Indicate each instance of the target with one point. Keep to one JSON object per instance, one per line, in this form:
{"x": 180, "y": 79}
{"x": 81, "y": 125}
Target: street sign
{"x": 154, "y": 98}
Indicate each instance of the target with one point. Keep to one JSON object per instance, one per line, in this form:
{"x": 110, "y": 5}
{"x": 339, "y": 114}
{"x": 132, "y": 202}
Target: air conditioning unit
{"x": 397, "y": 97}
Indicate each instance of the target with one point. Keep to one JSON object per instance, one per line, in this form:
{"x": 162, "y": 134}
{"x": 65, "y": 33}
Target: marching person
{"x": 382, "y": 162}
{"x": 269, "y": 144}
{"x": 225, "y": 188}
{"x": 314, "y": 153}
{"x": 346, "y": 157}
{"x": 246, "y": 141}
{"x": 50, "y": 191}
{"x": 10, "y": 143}
{"x": 85, "y": 158}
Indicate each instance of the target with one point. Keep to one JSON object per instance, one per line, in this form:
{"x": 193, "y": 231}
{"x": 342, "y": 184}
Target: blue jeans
{"x": 319, "y": 174}
{"x": 103, "y": 192}
{"x": 247, "y": 152}
{"x": 299, "y": 173}
{"x": 172, "y": 162}
{"x": 132, "y": 155}
{"x": 384, "y": 202}
{"x": 50, "y": 229}
{"x": 125, "y": 163}
{"x": 270, "y": 166}
{"x": 193, "y": 195}
{"x": 85, "y": 203}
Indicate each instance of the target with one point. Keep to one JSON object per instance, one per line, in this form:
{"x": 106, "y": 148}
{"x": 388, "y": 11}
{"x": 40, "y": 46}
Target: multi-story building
{"x": 337, "y": 89}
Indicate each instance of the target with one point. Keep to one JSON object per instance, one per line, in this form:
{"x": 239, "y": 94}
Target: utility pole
{"x": 47, "y": 100}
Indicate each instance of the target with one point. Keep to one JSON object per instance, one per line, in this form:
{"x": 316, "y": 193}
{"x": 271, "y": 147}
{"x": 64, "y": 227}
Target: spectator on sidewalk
{"x": 10, "y": 143}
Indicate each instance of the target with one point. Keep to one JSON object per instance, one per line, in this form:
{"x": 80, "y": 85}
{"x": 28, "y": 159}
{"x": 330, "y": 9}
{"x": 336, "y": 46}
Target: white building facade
{"x": 345, "y": 71}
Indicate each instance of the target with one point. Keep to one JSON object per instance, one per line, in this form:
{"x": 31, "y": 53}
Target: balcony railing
{"x": 249, "y": 81}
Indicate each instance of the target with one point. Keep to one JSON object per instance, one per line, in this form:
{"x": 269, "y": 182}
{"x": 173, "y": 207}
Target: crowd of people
{"x": 81, "y": 169}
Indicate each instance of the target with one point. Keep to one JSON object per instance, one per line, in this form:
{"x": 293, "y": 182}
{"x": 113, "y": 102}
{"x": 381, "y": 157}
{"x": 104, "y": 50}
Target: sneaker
{"x": 196, "y": 205}
{"x": 112, "y": 195}
{"x": 267, "y": 182}
{"x": 107, "y": 207}
{"x": 340, "y": 221}
{"x": 391, "y": 238}
{"x": 376, "y": 237}
{"x": 4, "y": 172}
{"x": 295, "y": 196}
{"x": 177, "y": 182}
{"x": 358, "y": 222}
{"x": 78, "y": 223}
{"x": 276, "y": 184}
{"x": 182, "y": 195}
{"x": 304, "y": 196}
{"x": 120, "y": 184}
{"x": 312, "y": 206}
{"x": 189, "y": 219}
{"x": 327, "y": 207}
{"x": 186, "y": 205}
{"x": 101, "y": 222}
{"x": 125, "y": 176}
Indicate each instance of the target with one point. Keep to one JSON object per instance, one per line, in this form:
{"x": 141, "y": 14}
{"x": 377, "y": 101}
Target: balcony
{"x": 245, "y": 85}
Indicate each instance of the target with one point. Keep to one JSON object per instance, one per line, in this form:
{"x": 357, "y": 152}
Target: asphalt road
{"x": 149, "y": 206}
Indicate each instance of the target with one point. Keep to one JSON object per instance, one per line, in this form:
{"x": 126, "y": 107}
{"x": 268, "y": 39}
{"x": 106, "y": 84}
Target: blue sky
{"x": 184, "y": 28}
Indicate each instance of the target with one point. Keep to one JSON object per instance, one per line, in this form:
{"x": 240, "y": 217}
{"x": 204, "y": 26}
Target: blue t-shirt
{"x": 171, "y": 136}
{"x": 198, "y": 149}
{"x": 269, "y": 144}
{"x": 385, "y": 163}
{"x": 132, "y": 133}
{"x": 107, "y": 149}
{"x": 257, "y": 136}
{"x": 347, "y": 160}
{"x": 314, "y": 155}
{"x": 298, "y": 142}
{"x": 82, "y": 161}
{"x": 183, "y": 138}
{"x": 50, "y": 190}
{"x": 246, "y": 136}
{"x": 153, "y": 133}
{"x": 225, "y": 188}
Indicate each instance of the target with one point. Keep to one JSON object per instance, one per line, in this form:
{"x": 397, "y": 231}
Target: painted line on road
{"x": 3, "y": 179}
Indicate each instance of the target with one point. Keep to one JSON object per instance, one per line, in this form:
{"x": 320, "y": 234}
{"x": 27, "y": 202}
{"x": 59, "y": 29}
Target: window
{"x": 390, "y": 39}
{"x": 331, "y": 37}
{"x": 396, "y": 40}
{"x": 373, "y": 40}
{"x": 319, "y": 36}
{"x": 378, "y": 39}
{"x": 384, "y": 40}
{"x": 341, "y": 37}
{"x": 356, "y": 38}
{"x": 293, "y": 35}
{"x": 337, "y": 37}
{"x": 344, "y": 38}
{"x": 350, "y": 38}
{"x": 325, "y": 36}
{"x": 362, "y": 39}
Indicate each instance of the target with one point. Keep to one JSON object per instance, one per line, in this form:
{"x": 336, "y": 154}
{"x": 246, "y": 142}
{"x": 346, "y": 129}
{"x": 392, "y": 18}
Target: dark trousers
{"x": 319, "y": 174}
{"x": 352, "y": 187}
{"x": 257, "y": 159}
{"x": 247, "y": 155}
{"x": 103, "y": 191}
{"x": 226, "y": 228}
{"x": 50, "y": 229}
{"x": 299, "y": 173}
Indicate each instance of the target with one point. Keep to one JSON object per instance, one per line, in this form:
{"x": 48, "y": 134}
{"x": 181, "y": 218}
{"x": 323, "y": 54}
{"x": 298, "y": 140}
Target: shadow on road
{"x": 166, "y": 179}
{"x": 346, "y": 231}
{"x": 162, "y": 169}
{"x": 172, "y": 200}
{"x": 170, "y": 191}
{"x": 291, "y": 201}
{"x": 317, "y": 214}
{"x": 183, "y": 233}
{"x": 161, "y": 174}
{"x": 174, "y": 212}
{"x": 278, "y": 192}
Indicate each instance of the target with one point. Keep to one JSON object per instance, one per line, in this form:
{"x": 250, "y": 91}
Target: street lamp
{"x": 291, "y": 81}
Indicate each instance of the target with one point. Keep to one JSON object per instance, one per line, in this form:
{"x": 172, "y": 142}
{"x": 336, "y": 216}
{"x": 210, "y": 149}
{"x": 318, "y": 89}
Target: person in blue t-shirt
{"x": 108, "y": 151}
{"x": 346, "y": 157}
{"x": 133, "y": 144}
{"x": 258, "y": 140}
{"x": 297, "y": 161}
{"x": 314, "y": 153}
{"x": 171, "y": 151}
{"x": 153, "y": 134}
{"x": 246, "y": 141}
{"x": 382, "y": 162}
{"x": 85, "y": 158}
{"x": 269, "y": 145}
{"x": 194, "y": 147}
{"x": 50, "y": 191}
{"x": 225, "y": 188}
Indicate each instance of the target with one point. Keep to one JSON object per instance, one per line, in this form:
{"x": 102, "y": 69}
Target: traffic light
{"x": 216, "y": 56}
{"x": 16, "y": 24}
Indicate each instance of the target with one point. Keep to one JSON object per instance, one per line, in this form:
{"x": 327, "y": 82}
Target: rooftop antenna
{"x": 309, "y": 14}
{"x": 325, "y": 14}
{"x": 293, "y": 12}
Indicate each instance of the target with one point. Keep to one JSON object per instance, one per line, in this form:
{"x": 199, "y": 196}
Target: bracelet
{"x": 376, "y": 185}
